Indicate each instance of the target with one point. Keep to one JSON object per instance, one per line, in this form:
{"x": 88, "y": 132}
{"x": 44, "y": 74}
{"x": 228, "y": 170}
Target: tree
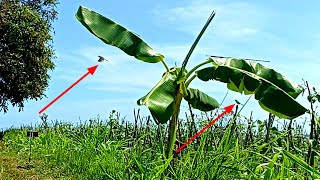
{"x": 275, "y": 93}
{"x": 26, "y": 51}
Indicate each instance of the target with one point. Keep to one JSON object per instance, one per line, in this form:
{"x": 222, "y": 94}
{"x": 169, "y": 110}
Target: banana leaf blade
{"x": 200, "y": 100}
{"x": 160, "y": 100}
{"x": 116, "y": 35}
{"x": 275, "y": 93}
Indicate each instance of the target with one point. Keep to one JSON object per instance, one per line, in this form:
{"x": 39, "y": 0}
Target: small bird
{"x": 238, "y": 102}
{"x": 101, "y": 59}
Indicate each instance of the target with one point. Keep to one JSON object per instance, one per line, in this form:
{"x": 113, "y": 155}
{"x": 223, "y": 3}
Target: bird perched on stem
{"x": 238, "y": 102}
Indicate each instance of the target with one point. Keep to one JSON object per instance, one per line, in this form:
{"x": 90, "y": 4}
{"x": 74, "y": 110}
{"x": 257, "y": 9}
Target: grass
{"x": 116, "y": 149}
{"x": 16, "y": 166}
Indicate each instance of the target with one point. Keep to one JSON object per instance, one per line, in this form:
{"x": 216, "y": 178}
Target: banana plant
{"x": 274, "y": 92}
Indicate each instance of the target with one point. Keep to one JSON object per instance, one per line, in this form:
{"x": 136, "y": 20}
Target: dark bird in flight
{"x": 101, "y": 59}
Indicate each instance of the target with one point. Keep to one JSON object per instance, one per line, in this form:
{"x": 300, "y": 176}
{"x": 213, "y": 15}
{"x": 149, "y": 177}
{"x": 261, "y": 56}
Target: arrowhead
{"x": 92, "y": 69}
{"x": 228, "y": 109}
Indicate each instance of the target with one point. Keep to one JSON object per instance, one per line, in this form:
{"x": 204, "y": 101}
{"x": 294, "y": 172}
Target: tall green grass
{"x": 118, "y": 149}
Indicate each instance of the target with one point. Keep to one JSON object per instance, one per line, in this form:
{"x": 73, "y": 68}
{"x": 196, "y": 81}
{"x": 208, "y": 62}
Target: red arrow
{"x": 227, "y": 109}
{"x": 91, "y": 70}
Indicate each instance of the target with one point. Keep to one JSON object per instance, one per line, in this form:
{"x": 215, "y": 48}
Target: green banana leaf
{"x": 160, "y": 100}
{"x": 200, "y": 100}
{"x": 274, "y": 92}
{"x": 116, "y": 35}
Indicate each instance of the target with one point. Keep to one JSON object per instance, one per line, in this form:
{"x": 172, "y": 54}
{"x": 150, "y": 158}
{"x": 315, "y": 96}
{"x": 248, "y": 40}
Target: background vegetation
{"x": 25, "y": 50}
{"x": 114, "y": 148}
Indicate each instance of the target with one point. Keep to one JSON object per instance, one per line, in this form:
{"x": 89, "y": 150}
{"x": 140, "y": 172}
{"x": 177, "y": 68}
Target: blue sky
{"x": 287, "y": 33}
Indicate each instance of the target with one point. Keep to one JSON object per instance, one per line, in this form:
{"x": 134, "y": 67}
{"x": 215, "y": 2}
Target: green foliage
{"x": 160, "y": 99}
{"x": 275, "y": 93}
{"x": 25, "y": 52}
{"x": 46, "y": 9}
{"x": 118, "y": 36}
{"x": 113, "y": 149}
{"x": 315, "y": 173}
{"x": 200, "y": 100}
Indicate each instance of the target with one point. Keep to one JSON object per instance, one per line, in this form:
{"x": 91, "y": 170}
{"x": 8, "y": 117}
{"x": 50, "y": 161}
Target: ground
{"x": 15, "y": 166}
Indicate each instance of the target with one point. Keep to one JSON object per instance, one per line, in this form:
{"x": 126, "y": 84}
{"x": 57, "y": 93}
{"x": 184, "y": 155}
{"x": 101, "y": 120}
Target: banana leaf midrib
{"x": 262, "y": 88}
{"x": 114, "y": 34}
{"x": 257, "y": 77}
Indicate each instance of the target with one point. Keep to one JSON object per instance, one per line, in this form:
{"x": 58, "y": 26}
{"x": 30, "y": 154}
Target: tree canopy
{"x": 26, "y": 50}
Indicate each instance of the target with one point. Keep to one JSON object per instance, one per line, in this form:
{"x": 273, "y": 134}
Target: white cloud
{"x": 175, "y": 53}
{"x": 121, "y": 71}
{"x": 232, "y": 20}
{"x": 244, "y": 29}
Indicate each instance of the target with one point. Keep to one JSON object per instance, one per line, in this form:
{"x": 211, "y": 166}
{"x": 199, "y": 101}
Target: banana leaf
{"x": 274, "y": 92}
{"x": 200, "y": 100}
{"x": 116, "y": 35}
{"x": 160, "y": 100}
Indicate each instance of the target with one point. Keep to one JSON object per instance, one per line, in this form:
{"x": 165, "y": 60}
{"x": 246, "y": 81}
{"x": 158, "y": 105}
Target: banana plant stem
{"x": 195, "y": 68}
{"x": 173, "y": 126}
{"x": 165, "y": 65}
{"x": 190, "y": 79}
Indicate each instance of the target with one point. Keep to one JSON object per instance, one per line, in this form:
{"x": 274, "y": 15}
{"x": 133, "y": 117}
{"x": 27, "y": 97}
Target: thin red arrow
{"x": 227, "y": 109}
{"x": 91, "y": 71}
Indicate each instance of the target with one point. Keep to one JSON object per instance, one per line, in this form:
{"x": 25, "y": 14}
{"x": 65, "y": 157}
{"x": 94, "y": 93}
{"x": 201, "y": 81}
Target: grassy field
{"x": 113, "y": 148}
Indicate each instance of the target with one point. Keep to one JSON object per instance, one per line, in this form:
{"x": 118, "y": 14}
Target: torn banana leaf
{"x": 274, "y": 92}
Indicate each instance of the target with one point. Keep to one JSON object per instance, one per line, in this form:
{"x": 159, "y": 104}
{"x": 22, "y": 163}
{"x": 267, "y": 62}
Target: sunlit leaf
{"x": 160, "y": 100}
{"x": 275, "y": 93}
{"x": 116, "y": 35}
{"x": 200, "y": 100}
